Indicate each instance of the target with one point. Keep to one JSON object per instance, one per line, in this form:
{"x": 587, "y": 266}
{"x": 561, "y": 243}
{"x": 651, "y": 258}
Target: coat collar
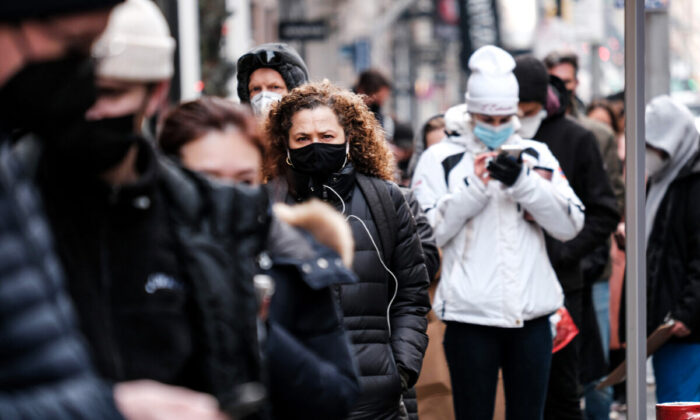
{"x": 303, "y": 187}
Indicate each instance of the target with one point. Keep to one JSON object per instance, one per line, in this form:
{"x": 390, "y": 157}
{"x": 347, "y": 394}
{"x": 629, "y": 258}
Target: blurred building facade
{"x": 423, "y": 45}
{"x": 413, "y": 42}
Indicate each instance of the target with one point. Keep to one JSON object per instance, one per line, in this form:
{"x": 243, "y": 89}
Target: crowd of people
{"x": 302, "y": 254}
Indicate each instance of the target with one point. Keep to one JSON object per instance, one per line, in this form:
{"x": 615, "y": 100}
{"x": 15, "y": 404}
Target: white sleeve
{"x": 447, "y": 209}
{"x": 553, "y": 204}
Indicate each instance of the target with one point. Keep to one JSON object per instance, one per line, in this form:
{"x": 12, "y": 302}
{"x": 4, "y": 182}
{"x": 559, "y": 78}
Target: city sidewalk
{"x": 651, "y": 406}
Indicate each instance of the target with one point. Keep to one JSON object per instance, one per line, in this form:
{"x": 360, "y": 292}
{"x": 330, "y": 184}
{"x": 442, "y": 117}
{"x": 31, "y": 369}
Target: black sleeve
{"x": 44, "y": 366}
{"x": 306, "y": 343}
{"x": 426, "y": 235}
{"x": 687, "y": 309}
{"x": 409, "y": 309}
{"x": 594, "y": 189}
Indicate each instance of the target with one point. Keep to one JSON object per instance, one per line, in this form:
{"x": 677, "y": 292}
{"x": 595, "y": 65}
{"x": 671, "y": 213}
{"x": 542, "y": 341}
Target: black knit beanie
{"x": 533, "y": 79}
{"x": 276, "y": 56}
{"x": 18, "y": 10}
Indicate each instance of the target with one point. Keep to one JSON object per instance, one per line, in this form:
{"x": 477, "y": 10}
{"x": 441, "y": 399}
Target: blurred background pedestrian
{"x": 497, "y": 298}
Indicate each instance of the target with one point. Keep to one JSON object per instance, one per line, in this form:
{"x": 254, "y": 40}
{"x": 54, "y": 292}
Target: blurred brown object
{"x": 617, "y": 277}
{"x": 657, "y": 339}
{"x": 434, "y": 389}
{"x": 499, "y": 412}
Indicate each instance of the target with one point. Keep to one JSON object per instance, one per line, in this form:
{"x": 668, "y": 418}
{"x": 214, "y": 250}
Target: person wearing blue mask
{"x": 491, "y": 196}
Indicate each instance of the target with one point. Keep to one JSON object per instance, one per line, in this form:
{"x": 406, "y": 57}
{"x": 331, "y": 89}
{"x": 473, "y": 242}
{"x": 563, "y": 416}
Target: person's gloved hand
{"x": 505, "y": 168}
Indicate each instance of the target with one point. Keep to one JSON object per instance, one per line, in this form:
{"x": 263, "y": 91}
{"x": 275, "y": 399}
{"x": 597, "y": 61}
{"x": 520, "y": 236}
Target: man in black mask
{"x": 140, "y": 245}
{"x": 44, "y": 368}
{"x": 542, "y": 108}
{"x": 46, "y": 84}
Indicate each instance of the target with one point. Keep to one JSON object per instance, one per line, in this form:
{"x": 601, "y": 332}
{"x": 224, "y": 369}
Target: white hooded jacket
{"x": 496, "y": 271}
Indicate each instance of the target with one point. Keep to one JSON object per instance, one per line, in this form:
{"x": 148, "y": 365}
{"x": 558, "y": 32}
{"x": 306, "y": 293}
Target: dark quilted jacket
{"x": 306, "y": 343}
{"x": 214, "y": 230}
{"x": 44, "y": 367}
{"x": 381, "y": 353}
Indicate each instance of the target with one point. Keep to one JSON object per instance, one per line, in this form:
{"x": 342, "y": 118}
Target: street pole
{"x": 188, "y": 43}
{"x": 658, "y": 56}
{"x": 596, "y": 70}
{"x": 634, "y": 205}
{"x": 238, "y": 38}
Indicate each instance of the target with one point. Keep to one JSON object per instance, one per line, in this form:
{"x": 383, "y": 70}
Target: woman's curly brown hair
{"x": 369, "y": 152}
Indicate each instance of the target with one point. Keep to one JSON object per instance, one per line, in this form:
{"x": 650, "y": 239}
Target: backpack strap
{"x": 381, "y": 206}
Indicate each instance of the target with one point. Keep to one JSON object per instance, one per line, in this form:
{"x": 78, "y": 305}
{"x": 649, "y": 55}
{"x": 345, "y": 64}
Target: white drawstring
{"x": 379, "y": 255}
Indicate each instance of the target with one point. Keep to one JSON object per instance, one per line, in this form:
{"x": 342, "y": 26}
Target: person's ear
{"x": 157, "y": 99}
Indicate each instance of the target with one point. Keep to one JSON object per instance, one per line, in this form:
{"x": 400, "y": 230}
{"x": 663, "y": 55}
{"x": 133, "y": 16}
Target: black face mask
{"x": 93, "y": 146}
{"x": 319, "y": 159}
{"x": 45, "y": 96}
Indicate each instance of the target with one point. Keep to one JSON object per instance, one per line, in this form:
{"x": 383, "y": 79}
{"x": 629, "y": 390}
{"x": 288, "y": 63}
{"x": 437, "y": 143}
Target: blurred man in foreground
{"x": 46, "y": 84}
{"x": 120, "y": 216}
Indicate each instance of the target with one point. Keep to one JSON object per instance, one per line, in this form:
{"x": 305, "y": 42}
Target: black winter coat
{"x": 425, "y": 233}
{"x": 673, "y": 255}
{"x": 377, "y": 303}
{"x": 432, "y": 263}
{"x": 309, "y": 359}
{"x": 44, "y": 368}
{"x": 161, "y": 271}
{"x": 578, "y": 154}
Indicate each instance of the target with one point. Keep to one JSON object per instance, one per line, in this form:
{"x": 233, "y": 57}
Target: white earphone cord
{"x": 379, "y": 255}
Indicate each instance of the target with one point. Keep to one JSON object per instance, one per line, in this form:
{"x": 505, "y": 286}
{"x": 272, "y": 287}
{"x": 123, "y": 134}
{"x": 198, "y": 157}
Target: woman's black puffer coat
{"x": 385, "y": 350}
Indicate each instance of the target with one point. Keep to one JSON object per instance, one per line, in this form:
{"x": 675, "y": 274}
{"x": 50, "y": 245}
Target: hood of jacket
{"x": 669, "y": 127}
{"x": 325, "y": 224}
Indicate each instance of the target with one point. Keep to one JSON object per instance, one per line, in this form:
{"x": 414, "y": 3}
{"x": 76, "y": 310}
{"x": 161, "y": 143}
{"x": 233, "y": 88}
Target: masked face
{"x": 655, "y": 162}
{"x": 530, "y": 125}
{"x": 45, "y": 96}
{"x": 262, "y": 101}
{"x": 493, "y": 136}
{"x": 319, "y": 159}
{"x": 93, "y": 146}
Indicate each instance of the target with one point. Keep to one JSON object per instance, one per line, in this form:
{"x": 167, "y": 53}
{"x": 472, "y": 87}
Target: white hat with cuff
{"x": 492, "y": 88}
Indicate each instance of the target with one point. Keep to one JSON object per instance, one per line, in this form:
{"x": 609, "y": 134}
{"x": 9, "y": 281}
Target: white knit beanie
{"x": 136, "y": 45}
{"x": 492, "y": 88}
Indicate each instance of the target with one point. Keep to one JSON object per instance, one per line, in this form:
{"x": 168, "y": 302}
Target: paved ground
{"x": 651, "y": 406}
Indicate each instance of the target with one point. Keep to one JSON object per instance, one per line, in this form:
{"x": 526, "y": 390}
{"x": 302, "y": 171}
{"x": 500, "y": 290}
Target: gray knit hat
{"x": 276, "y": 56}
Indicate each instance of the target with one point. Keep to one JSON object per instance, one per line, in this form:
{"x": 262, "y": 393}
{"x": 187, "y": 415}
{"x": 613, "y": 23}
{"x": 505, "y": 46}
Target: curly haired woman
{"x": 326, "y": 143}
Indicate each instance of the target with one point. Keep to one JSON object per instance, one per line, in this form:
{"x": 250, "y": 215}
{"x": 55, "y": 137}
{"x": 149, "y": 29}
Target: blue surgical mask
{"x": 493, "y": 137}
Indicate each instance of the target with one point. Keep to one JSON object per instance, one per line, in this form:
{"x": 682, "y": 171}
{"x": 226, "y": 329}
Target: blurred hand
{"x": 680, "y": 330}
{"x": 150, "y": 400}
{"x": 619, "y": 236}
{"x": 480, "y": 162}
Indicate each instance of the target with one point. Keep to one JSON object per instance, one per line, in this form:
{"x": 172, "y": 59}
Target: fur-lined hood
{"x": 323, "y": 222}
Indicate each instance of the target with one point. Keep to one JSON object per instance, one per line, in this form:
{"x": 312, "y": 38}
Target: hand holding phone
{"x": 511, "y": 150}
{"x": 480, "y": 163}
